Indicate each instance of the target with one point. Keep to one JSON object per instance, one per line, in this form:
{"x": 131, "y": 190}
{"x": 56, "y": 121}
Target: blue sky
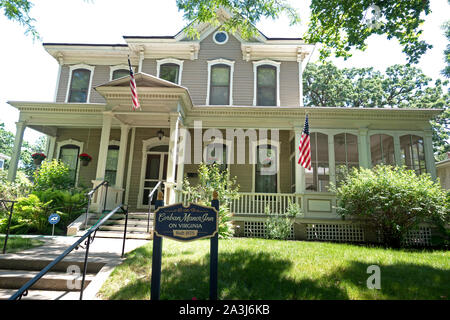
{"x": 29, "y": 73}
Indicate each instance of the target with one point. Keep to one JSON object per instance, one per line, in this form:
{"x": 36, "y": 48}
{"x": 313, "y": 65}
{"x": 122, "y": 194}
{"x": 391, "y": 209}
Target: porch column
{"x": 331, "y": 159}
{"x": 124, "y": 130}
{"x": 429, "y": 154}
{"x": 299, "y": 170}
{"x": 103, "y": 150}
{"x": 13, "y": 164}
{"x": 364, "y": 148}
{"x": 51, "y": 147}
{"x": 172, "y": 160}
{"x": 181, "y": 157}
{"x": 397, "y": 151}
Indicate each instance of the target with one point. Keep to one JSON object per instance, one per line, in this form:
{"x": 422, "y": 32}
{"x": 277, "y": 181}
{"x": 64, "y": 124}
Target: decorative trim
{"x": 229, "y": 63}
{"x": 159, "y": 63}
{"x": 117, "y": 67}
{"x": 69, "y": 83}
{"x": 257, "y": 64}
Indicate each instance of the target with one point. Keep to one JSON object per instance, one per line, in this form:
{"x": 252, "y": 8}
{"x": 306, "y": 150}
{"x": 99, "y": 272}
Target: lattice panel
{"x": 254, "y": 229}
{"x": 420, "y": 237}
{"x": 335, "y": 232}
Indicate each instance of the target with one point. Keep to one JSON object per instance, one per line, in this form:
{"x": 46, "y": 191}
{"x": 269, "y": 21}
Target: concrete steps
{"x": 114, "y": 227}
{"x": 58, "y": 283}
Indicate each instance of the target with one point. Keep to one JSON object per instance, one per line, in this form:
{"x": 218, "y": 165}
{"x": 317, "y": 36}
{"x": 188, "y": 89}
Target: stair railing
{"x": 10, "y": 208}
{"x": 88, "y": 238}
{"x": 150, "y": 204}
{"x": 90, "y": 194}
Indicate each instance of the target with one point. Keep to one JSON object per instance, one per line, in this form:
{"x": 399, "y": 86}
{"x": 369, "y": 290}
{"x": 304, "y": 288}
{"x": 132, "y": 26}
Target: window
{"x": 69, "y": 155}
{"x": 266, "y": 169}
{"x": 220, "y": 85}
{"x": 413, "y": 155}
{"x": 345, "y": 153}
{"x": 111, "y": 164}
{"x": 267, "y": 86}
{"x": 318, "y": 178}
{"x": 119, "y": 73}
{"x": 217, "y": 153}
{"x": 170, "y": 70}
{"x": 382, "y": 149}
{"x": 79, "y": 85}
{"x": 220, "y": 37}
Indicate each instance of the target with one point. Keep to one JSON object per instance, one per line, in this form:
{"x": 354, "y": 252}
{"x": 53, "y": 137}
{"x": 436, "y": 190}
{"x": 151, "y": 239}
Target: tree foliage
{"x": 19, "y": 11}
{"x": 400, "y": 86}
{"x": 392, "y": 201}
{"x": 339, "y": 25}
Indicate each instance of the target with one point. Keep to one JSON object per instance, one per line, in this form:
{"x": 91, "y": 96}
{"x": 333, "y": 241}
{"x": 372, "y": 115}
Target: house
{"x": 210, "y": 99}
{"x": 3, "y": 159}
{"x": 443, "y": 172}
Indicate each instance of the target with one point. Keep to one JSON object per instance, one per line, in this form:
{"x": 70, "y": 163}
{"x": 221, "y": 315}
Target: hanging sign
{"x": 186, "y": 223}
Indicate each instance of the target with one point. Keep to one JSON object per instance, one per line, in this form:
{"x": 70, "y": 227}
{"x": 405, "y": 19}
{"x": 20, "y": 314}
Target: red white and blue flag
{"x": 134, "y": 95}
{"x": 305, "y": 147}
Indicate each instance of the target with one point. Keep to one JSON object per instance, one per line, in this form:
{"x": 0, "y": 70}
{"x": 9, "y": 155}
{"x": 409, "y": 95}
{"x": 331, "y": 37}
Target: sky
{"x": 29, "y": 73}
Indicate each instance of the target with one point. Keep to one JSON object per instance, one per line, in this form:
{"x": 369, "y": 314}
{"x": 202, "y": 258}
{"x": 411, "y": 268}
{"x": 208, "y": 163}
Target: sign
{"x": 186, "y": 223}
{"x": 54, "y": 218}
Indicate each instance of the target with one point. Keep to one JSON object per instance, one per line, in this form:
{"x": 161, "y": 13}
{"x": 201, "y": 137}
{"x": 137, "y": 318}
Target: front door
{"x": 155, "y": 170}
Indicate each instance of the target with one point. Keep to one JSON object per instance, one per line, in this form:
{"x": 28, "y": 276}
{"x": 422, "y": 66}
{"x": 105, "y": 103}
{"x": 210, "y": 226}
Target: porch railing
{"x": 256, "y": 203}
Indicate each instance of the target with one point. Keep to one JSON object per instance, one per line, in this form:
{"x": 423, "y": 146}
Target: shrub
{"x": 391, "y": 200}
{"x": 52, "y": 175}
{"x": 31, "y": 214}
{"x": 11, "y": 191}
{"x": 278, "y": 226}
{"x": 213, "y": 178}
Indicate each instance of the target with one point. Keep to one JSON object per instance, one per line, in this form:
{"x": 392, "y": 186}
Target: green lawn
{"x": 271, "y": 269}
{"x": 16, "y": 244}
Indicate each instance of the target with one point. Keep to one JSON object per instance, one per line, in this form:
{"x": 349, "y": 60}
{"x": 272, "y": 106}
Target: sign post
{"x": 185, "y": 224}
{"x": 53, "y": 219}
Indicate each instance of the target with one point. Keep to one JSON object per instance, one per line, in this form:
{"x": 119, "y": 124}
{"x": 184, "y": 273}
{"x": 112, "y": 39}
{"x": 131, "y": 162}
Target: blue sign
{"x": 54, "y": 218}
{"x": 186, "y": 223}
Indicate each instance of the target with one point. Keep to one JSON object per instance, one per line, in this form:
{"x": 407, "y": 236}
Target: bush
{"x": 31, "y": 214}
{"x": 279, "y": 226}
{"x": 52, "y": 175}
{"x": 392, "y": 201}
{"x": 212, "y": 178}
{"x": 11, "y": 191}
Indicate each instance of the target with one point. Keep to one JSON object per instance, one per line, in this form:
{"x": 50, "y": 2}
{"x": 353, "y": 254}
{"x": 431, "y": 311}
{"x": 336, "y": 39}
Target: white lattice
{"x": 335, "y": 232}
{"x": 420, "y": 237}
{"x": 256, "y": 229}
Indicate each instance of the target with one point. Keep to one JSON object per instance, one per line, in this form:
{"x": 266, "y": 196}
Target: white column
{"x": 300, "y": 60}
{"x": 397, "y": 151}
{"x": 299, "y": 170}
{"x": 429, "y": 154}
{"x": 172, "y": 160}
{"x": 13, "y": 164}
{"x": 124, "y": 130}
{"x": 103, "y": 150}
{"x": 364, "y": 150}
{"x": 331, "y": 159}
{"x": 130, "y": 165}
{"x": 51, "y": 147}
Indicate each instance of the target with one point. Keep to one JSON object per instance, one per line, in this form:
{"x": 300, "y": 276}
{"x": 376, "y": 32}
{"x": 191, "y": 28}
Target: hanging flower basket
{"x": 38, "y": 158}
{"x": 85, "y": 159}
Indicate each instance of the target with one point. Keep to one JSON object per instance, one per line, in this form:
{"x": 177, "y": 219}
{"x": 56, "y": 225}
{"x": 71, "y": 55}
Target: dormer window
{"x": 220, "y": 82}
{"x": 267, "y": 83}
{"x": 170, "y": 70}
{"x": 79, "y": 87}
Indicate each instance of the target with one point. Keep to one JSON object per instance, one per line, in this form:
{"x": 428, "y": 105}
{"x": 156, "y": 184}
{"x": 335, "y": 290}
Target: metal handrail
{"x": 150, "y": 203}
{"x": 10, "y": 209}
{"x": 23, "y": 291}
{"x": 90, "y": 194}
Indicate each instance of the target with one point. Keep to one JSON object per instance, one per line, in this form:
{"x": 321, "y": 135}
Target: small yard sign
{"x": 53, "y": 219}
{"x": 186, "y": 223}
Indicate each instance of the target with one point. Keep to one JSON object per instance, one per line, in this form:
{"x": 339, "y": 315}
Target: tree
{"x": 400, "y": 86}
{"x": 340, "y": 25}
{"x": 19, "y": 11}
{"x": 392, "y": 201}
{"x": 446, "y": 71}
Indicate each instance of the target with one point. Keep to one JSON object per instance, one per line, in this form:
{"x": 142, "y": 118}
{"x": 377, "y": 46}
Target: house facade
{"x": 222, "y": 99}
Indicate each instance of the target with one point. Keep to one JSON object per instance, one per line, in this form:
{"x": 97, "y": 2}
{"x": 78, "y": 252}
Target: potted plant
{"x": 85, "y": 159}
{"x": 38, "y": 157}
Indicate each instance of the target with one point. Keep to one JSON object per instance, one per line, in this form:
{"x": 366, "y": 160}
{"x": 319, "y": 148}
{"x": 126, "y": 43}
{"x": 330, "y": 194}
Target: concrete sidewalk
{"x": 103, "y": 252}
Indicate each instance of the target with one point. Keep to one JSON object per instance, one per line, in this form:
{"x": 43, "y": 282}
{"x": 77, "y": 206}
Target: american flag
{"x": 305, "y": 147}
{"x": 134, "y": 95}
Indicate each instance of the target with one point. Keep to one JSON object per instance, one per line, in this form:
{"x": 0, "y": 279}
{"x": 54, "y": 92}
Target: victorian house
{"x": 218, "y": 82}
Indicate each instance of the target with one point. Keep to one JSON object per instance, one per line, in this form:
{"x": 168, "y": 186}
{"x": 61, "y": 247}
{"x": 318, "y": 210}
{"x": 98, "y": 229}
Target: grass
{"x": 273, "y": 270}
{"x": 16, "y": 243}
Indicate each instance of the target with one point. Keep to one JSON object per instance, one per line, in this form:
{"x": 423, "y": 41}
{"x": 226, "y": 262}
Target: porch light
{"x": 160, "y": 134}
